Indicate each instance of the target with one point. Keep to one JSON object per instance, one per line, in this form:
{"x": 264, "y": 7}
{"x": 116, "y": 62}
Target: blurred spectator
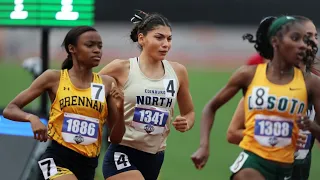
{"x": 255, "y": 59}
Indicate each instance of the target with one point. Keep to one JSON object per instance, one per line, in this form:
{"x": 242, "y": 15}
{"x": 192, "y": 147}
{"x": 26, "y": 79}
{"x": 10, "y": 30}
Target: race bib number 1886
{"x": 78, "y": 129}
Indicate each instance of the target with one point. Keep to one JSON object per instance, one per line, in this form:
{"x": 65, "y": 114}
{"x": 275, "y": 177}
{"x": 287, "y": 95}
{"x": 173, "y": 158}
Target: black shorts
{"x": 121, "y": 158}
{"x": 301, "y": 168}
{"x": 59, "y": 160}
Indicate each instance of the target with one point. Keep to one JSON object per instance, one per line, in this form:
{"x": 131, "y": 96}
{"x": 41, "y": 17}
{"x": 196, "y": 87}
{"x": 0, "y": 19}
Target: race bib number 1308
{"x": 273, "y": 131}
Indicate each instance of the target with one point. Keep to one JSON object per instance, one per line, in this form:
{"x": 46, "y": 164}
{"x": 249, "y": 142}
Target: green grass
{"x": 177, "y": 164}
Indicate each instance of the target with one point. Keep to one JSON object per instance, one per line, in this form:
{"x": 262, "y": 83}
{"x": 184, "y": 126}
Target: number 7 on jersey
{"x": 97, "y": 92}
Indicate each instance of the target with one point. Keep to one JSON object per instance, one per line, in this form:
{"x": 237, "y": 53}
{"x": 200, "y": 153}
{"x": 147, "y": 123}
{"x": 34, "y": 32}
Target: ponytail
{"x": 67, "y": 63}
{"x": 262, "y": 42}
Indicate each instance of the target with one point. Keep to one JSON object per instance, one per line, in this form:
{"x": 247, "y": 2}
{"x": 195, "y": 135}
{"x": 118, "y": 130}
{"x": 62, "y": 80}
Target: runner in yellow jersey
{"x": 275, "y": 94}
{"x": 302, "y": 163}
{"x": 82, "y": 101}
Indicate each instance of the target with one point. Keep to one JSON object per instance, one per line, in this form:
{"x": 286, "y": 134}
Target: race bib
{"x": 273, "y": 131}
{"x": 237, "y": 165}
{"x": 259, "y": 97}
{"x": 48, "y": 167}
{"x": 98, "y": 92}
{"x": 304, "y": 150}
{"x": 311, "y": 113}
{"x": 151, "y": 120}
{"x": 78, "y": 129}
{"x": 170, "y": 86}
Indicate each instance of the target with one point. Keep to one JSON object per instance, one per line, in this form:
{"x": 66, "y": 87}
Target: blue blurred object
{"x": 15, "y": 128}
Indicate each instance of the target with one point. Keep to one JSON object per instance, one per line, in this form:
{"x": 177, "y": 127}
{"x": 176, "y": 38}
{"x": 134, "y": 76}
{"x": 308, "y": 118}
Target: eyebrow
{"x": 91, "y": 41}
{"x": 162, "y": 34}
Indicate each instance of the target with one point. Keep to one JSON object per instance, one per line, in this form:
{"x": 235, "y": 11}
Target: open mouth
{"x": 301, "y": 55}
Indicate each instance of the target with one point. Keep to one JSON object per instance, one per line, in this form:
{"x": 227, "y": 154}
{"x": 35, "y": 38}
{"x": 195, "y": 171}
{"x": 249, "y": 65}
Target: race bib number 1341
{"x": 150, "y": 120}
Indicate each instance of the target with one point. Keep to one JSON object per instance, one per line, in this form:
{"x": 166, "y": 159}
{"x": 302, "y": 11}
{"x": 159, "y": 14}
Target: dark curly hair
{"x": 264, "y": 48}
{"x": 262, "y": 42}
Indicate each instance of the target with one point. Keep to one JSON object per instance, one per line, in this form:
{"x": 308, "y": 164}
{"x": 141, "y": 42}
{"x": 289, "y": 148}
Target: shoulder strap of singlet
{"x": 170, "y": 71}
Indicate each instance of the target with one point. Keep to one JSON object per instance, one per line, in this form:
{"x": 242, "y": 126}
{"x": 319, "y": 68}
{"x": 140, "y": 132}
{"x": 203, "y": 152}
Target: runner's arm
{"x": 236, "y": 126}
{"x": 44, "y": 82}
{"x": 315, "y": 97}
{"x": 184, "y": 97}
{"x": 239, "y": 80}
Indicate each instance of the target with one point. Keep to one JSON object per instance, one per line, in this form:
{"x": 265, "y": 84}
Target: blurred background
{"x": 207, "y": 39}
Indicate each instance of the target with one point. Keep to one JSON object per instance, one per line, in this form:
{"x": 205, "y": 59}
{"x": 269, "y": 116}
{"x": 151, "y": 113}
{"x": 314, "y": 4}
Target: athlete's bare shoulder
{"x": 48, "y": 80}
{"x": 115, "y": 67}
{"x": 120, "y": 63}
{"x": 51, "y": 75}
{"x": 244, "y": 75}
{"x": 311, "y": 81}
{"x": 248, "y": 70}
{"x": 118, "y": 69}
{"x": 107, "y": 81}
{"x": 178, "y": 68}
{"x": 311, "y": 78}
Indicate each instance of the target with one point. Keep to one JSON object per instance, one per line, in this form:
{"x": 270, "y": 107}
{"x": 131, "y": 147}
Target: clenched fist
{"x": 181, "y": 124}
{"x": 117, "y": 94}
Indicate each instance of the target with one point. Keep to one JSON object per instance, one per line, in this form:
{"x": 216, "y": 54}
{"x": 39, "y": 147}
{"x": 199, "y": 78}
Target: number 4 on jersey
{"x": 169, "y": 85}
{"x": 121, "y": 160}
